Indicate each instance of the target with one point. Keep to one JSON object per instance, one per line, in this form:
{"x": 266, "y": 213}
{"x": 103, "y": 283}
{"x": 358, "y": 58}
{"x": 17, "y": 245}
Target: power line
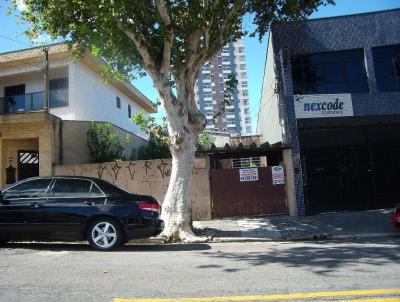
{"x": 16, "y": 60}
{"x": 16, "y": 41}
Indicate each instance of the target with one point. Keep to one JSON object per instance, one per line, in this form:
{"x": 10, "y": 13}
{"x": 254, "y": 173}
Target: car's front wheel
{"x": 104, "y": 234}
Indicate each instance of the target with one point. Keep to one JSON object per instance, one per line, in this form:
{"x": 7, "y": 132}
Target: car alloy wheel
{"x": 104, "y": 234}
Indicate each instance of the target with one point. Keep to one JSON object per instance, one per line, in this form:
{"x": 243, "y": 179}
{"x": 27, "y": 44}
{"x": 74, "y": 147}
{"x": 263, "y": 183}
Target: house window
{"x": 208, "y": 104}
{"x": 58, "y": 92}
{"x": 118, "y": 102}
{"x": 247, "y": 162}
{"x": 330, "y": 72}
{"x": 387, "y": 67}
{"x": 129, "y": 111}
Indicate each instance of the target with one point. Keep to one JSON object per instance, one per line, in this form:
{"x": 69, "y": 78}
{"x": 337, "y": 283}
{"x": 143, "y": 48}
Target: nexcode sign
{"x": 323, "y": 105}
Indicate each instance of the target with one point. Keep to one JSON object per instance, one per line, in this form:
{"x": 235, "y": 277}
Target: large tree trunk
{"x": 177, "y": 206}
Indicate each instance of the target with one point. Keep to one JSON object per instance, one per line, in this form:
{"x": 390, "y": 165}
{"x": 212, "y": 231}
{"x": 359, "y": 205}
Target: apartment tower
{"x": 236, "y": 118}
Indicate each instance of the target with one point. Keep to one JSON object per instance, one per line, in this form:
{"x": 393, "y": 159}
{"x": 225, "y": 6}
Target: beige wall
{"x": 149, "y": 177}
{"x": 74, "y": 142}
{"x": 34, "y": 131}
{"x": 10, "y": 148}
{"x": 290, "y": 184}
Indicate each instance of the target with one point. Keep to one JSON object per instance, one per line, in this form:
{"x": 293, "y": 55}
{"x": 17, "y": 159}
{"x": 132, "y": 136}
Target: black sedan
{"x": 76, "y": 208}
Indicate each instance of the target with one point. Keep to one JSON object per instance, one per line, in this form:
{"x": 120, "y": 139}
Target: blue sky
{"x": 255, "y": 51}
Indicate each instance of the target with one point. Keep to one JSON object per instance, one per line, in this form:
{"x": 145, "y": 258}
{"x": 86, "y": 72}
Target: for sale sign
{"x": 278, "y": 176}
{"x": 250, "y": 174}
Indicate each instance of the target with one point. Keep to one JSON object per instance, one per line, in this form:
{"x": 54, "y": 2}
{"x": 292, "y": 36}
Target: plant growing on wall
{"x": 157, "y": 146}
{"x": 206, "y": 141}
{"x": 170, "y": 40}
{"x": 104, "y": 144}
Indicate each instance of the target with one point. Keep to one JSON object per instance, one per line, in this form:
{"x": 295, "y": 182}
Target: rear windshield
{"x": 111, "y": 189}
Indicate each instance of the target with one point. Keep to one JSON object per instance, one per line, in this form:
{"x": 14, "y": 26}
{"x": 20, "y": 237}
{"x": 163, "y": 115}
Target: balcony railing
{"x": 22, "y": 103}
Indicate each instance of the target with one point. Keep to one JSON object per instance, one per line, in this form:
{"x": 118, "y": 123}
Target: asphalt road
{"x": 74, "y": 272}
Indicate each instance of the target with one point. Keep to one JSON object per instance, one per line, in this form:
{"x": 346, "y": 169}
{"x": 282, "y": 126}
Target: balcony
{"x": 22, "y": 103}
{"x": 33, "y": 101}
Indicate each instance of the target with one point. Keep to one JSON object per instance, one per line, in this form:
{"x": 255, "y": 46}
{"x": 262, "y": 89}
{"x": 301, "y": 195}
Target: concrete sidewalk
{"x": 347, "y": 225}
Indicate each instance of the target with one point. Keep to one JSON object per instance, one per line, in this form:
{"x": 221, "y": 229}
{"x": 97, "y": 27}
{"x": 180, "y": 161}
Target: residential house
{"x": 32, "y": 140}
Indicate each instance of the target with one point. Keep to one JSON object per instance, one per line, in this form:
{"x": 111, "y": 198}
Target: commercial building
{"x": 210, "y": 87}
{"x": 331, "y": 91}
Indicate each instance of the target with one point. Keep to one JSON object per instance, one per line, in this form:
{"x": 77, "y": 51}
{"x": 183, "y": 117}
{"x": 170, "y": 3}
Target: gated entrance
{"x": 350, "y": 168}
{"x": 28, "y": 164}
{"x": 233, "y": 197}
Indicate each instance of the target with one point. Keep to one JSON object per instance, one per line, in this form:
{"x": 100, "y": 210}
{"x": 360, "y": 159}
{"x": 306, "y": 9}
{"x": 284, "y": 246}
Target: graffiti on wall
{"x": 163, "y": 168}
{"x": 131, "y": 169}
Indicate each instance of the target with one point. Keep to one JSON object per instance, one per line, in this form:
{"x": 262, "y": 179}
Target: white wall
{"x": 93, "y": 100}
{"x": 268, "y": 123}
{"x": 33, "y": 80}
{"x": 89, "y": 98}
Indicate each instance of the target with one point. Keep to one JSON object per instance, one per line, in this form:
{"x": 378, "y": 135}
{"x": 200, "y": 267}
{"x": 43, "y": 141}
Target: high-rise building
{"x": 210, "y": 87}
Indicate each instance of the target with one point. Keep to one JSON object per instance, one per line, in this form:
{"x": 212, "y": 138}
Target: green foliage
{"x": 158, "y": 140}
{"x": 119, "y": 30}
{"x": 206, "y": 141}
{"x": 229, "y": 90}
{"x": 104, "y": 145}
{"x": 133, "y": 156}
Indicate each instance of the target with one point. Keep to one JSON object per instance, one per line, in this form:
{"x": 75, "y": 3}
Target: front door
{"x": 28, "y": 164}
{"x": 21, "y": 209}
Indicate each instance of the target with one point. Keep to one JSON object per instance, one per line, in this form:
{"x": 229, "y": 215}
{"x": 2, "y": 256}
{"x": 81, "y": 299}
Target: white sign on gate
{"x": 250, "y": 174}
{"x": 278, "y": 176}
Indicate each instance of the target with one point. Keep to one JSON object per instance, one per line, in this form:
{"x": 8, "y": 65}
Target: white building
{"x": 77, "y": 96}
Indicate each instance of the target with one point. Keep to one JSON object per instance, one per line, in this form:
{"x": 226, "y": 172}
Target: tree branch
{"x": 149, "y": 62}
{"x": 163, "y": 11}
{"x": 208, "y": 52}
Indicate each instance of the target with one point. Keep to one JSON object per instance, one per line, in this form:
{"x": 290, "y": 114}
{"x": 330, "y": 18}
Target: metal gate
{"x": 232, "y": 197}
{"x": 28, "y": 164}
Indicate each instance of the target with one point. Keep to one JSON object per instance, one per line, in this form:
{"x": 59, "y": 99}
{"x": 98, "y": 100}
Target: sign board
{"x": 278, "y": 176}
{"x": 323, "y": 105}
{"x": 250, "y": 174}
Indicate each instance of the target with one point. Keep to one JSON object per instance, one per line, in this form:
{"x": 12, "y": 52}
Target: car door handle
{"x": 89, "y": 203}
{"x": 36, "y": 205}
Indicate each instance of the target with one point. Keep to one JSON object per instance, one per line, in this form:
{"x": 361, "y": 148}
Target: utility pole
{"x": 46, "y": 79}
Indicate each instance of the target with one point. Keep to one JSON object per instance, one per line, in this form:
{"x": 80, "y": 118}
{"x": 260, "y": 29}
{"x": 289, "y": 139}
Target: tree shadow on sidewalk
{"x": 321, "y": 257}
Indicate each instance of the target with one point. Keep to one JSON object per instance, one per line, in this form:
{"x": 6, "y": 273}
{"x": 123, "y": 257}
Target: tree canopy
{"x": 131, "y": 35}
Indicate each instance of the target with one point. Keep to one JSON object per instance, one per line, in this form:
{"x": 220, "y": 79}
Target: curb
{"x": 314, "y": 237}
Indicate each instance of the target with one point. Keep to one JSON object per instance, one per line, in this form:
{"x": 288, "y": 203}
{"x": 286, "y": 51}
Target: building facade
{"x": 210, "y": 87}
{"x": 331, "y": 91}
{"x": 33, "y": 140}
